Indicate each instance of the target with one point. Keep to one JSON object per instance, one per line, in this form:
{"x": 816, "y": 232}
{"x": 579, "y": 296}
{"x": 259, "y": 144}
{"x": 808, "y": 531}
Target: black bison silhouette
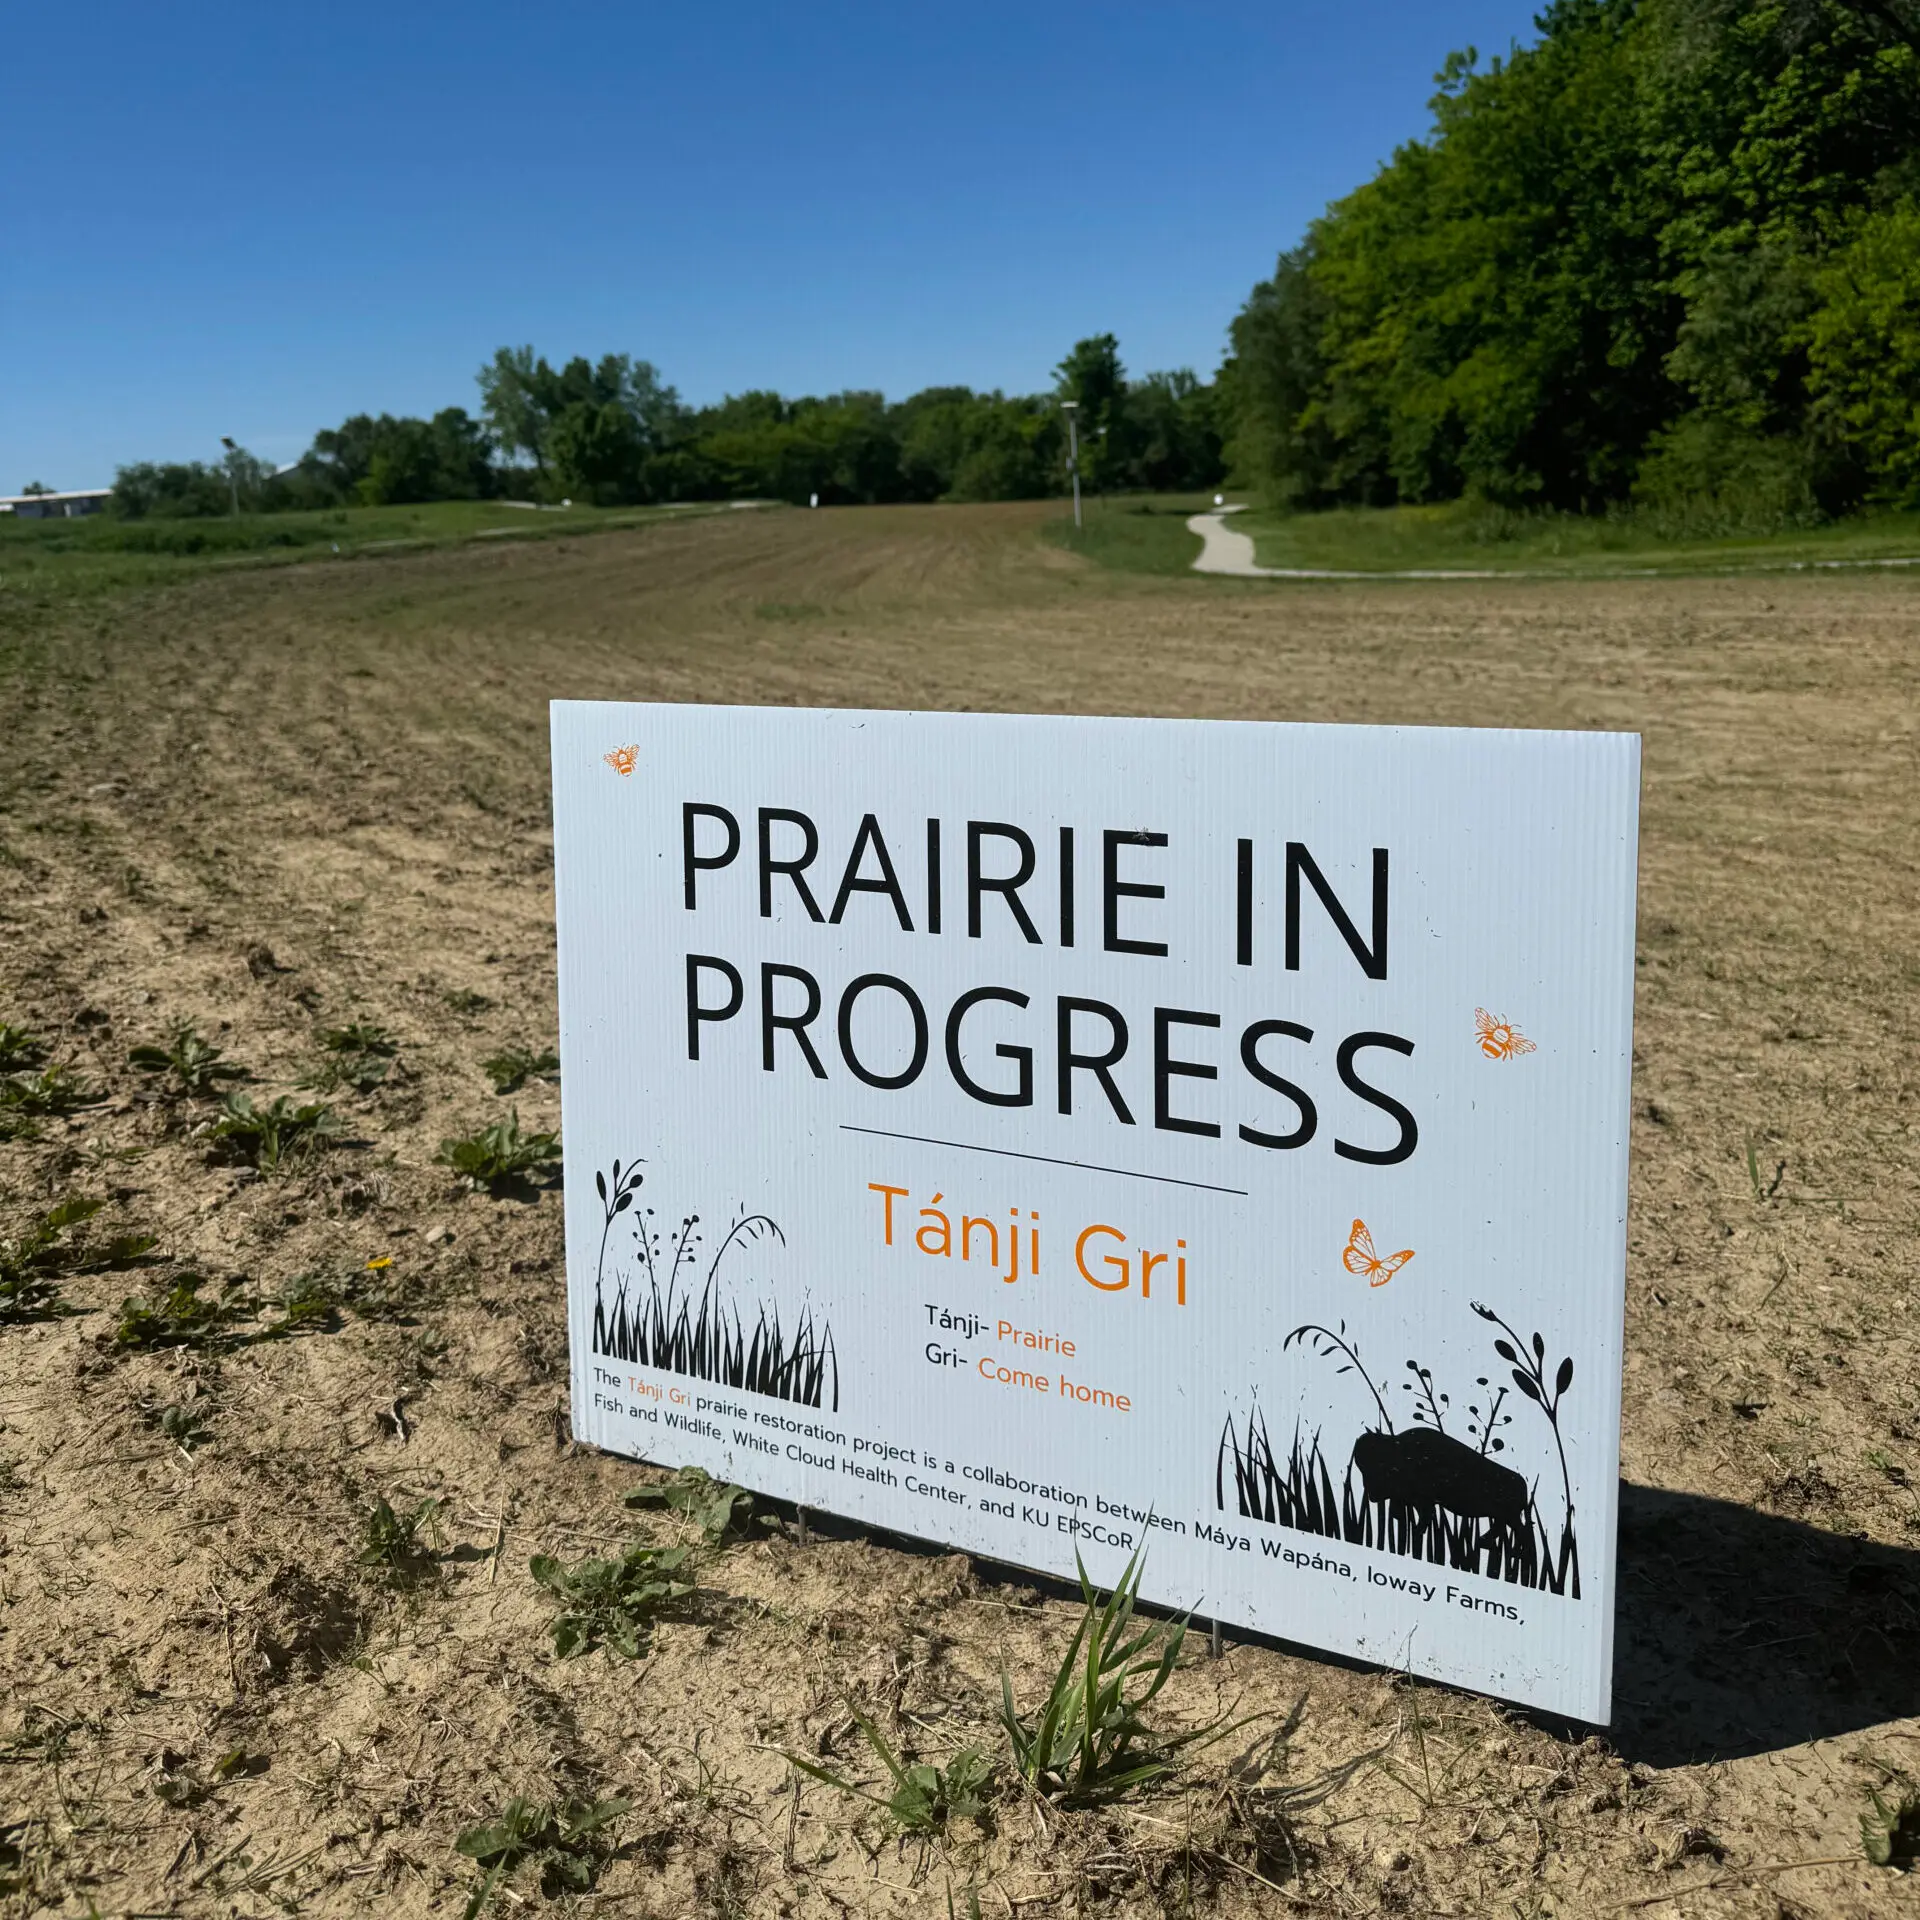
{"x": 1422, "y": 1468}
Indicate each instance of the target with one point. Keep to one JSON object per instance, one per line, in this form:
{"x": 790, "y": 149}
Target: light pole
{"x": 1071, "y": 408}
{"x": 233, "y": 477}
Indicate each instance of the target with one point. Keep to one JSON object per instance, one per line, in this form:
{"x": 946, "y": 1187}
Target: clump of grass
{"x": 20, "y": 1049}
{"x": 712, "y": 1505}
{"x": 359, "y": 1056}
{"x": 611, "y": 1603}
{"x": 1890, "y": 1830}
{"x": 510, "y": 1070}
{"x": 192, "y": 1066}
{"x": 464, "y": 1000}
{"x": 401, "y": 1546}
{"x": 266, "y": 1137}
{"x": 1090, "y": 1741}
{"x": 565, "y": 1842}
{"x": 179, "y": 1317}
{"x": 923, "y": 1798}
{"x": 494, "y": 1156}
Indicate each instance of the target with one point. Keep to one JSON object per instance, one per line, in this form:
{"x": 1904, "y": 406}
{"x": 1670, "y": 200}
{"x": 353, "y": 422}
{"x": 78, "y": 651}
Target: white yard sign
{"x": 1059, "y": 1136}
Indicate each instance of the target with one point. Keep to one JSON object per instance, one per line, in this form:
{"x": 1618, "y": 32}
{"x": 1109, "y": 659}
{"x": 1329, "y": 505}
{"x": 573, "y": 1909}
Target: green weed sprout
{"x": 496, "y": 1155}
{"x": 511, "y": 1069}
{"x": 30, "y": 1266}
{"x": 924, "y": 1798}
{"x": 181, "y": 1785}
{"x": 27, "y": 1097}
{"x": 973, "y": 1902}
{"x": 185, "y": 1426}
{"x": 310, "y": 1304}
{"x": 266, "y": 1137}
{"x": 1090, "y": 1742}
{"x": 19, "y": 1048}
{"x": 359, "y": 1036}
{"x": 195, "y": 1064}
{"x": 712, "y": 1505}
{"x": 562, "y": 1841}
{"x": 1890, "y": 1830}
{"x": 1766, "y": 1192}
{"x": 179, "y": 1318}
{"x": 611, "y": 1603}
{"x": 401, "y": 1546}
{"x": 359, "y": 1055}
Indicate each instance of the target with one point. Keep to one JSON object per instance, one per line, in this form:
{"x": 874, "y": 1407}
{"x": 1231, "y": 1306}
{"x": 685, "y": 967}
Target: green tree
{"x": 935, "y": 429}
{"x": 1863, "y": 343}
{"x": 187, "y": 490}
{"x": 1605, "y": 270}
{"x": 1092, "y": 377}
{"x": 1273, "y": 375}
{"x": 841, "y": 447}
{"x": 1013, "y": 450}
{"x": 387, "y": 461}
{"x": 515, "y": 397}
{"x": 597, "y": 452}
{"x": 594, "y": 455}
{"x": 1173, "y": 432}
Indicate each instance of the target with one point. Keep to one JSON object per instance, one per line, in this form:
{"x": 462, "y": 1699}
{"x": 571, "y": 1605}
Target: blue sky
{"x": 256, "y": 220}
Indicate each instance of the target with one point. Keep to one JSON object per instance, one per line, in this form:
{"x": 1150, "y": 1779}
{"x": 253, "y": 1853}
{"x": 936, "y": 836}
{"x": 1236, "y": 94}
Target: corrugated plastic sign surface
{"x": 1055, "y": 1136}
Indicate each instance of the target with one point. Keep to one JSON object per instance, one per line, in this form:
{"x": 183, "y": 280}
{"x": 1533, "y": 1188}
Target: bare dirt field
{"x": 273, "y": 803}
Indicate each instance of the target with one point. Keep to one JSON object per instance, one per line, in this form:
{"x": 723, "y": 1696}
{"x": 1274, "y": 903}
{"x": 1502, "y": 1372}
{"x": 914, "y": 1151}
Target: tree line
{"x": 1667, "y": 257}
{"x": 1670, "y": 254}
{"x": 612, "y": 433}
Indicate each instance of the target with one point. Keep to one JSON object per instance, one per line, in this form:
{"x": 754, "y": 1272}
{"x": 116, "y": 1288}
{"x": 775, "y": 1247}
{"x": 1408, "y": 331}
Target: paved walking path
{"x": 1224, "y": 549}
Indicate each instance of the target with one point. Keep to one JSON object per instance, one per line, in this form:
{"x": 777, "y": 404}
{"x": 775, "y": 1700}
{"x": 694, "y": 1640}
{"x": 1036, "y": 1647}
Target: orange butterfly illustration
{"x": 623, "y": 760}
{"x": 1361, "y": 1258}
{"x": 1499, "y": 1039}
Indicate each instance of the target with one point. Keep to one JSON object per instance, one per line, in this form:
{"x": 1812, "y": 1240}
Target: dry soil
{"x": 270, "y": 802}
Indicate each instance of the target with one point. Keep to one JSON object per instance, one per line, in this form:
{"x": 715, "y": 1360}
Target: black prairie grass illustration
{"x": 664, "y": 1301}
{"x": 1418, "y": 1489}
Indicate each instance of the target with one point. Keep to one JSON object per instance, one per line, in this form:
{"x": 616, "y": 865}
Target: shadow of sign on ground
{"x": 1742, "y": 1632}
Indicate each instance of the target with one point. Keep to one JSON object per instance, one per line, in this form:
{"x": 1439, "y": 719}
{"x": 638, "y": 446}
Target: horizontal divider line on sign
{"x": 1008, "y": 1153}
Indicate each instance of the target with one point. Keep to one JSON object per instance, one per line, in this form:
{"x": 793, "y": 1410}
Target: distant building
{"x": 55, "y": 506}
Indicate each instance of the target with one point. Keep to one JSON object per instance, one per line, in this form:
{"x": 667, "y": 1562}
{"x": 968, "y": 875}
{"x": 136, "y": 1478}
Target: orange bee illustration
{"x": 1499, "y": 1039}
{"x": 623, "y": 760}
{"x": 1361, "y": 1258}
